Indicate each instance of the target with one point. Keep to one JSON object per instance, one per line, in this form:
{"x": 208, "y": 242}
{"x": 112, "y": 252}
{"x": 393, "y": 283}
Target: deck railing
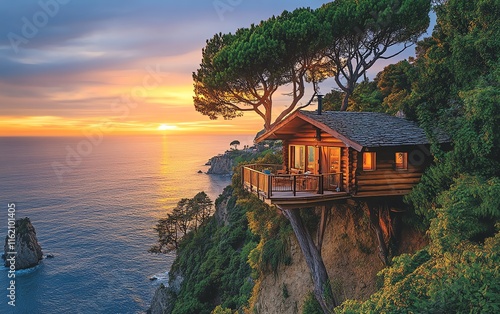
{"x": 267, "y": 179}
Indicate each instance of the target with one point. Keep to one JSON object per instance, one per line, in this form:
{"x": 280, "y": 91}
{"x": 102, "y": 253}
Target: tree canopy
{"x": 187, "y": 216}
{"x": 364, "y": 31}
{"x": 235, "y": 143}
{"x": 292, "y": 52}
{"x": 455, "y": 86}
{"x": 241, "y": 72}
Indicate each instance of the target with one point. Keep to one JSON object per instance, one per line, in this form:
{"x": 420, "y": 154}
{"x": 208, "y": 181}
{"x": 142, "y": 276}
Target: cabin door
{"x": 334, "y": 168}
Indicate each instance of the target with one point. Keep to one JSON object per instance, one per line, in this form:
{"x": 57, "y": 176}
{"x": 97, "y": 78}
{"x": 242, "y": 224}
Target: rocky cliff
{"x": 221, "y": 165}
{"x": 22, "y": 240}
{"x": 212, "y": 266}
{"x": 349, "y": 252}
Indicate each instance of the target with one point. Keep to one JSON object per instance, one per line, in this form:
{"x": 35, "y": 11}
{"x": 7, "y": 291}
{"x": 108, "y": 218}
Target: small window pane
{"x": 311, "y": 159}
{"x": 401, "y": 160}
{"x": 297, "y": 157}
{"x": 369, "y": 161}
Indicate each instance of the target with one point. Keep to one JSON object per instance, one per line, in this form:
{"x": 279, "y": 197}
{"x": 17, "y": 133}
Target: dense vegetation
{"x": 452, "y": 83}
{"x": 186, "y": 217}
{"x": 294, "y": 51}
{"x": 213, "y": 263}
{"x": 222, "y": 259}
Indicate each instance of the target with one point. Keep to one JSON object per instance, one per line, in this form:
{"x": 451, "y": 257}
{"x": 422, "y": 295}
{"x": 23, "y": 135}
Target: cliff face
{"x": 350, "y": 255}
{"x": 25, "y": 244}
{"x": 221, "y": 165}
{"x": 161, "y": 302}
{"x": 212, "y": 267}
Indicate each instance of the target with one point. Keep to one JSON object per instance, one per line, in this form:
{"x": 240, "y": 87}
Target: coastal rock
{"x": 161, "y": 302}
{"x": 222, "y": 209}
{"x": 221, "y": 165}
{"x": 164, "y": 297}
{"x": 28, "y": 250}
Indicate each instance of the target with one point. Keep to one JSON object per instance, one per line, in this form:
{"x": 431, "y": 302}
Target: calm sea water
{"x": 98, "y": 221}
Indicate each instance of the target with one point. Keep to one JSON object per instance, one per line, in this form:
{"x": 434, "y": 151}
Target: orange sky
{"x": 126, "y": 69}
{"x": 122, "y": 69}
{"x": 151, "y": 100}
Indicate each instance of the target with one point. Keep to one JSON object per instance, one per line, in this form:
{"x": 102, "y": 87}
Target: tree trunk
{"x": 322, "y": 226}
{"x": 374, "y": 222}
{"x": 345, "y": 102}
{"x": 322, "y": 288}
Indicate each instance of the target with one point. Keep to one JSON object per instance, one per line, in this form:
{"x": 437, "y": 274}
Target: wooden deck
{"x": 302, "y": 199}
{"x": 291, "y": 190}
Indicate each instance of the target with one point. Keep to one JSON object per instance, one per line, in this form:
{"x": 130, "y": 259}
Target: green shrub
{"x": 311, "y": 305}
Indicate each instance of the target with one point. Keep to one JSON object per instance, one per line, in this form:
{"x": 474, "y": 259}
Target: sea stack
{"x": 28, "y": 252}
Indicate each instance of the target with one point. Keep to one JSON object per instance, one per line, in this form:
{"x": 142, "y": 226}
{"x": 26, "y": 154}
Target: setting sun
{"x": 167, "y": 127}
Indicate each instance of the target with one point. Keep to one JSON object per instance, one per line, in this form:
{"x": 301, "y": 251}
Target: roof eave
{"x": 276, "y": 127}
{"x": 347, "y": 141}
{"x": 271, "y": 133}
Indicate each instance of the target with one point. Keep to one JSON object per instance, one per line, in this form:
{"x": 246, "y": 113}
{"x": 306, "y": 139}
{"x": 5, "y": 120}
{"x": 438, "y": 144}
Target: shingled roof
{"x": 366, "y": 129}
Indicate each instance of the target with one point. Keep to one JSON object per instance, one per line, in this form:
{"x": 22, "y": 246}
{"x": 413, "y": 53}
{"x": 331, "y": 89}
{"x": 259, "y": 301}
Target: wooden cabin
{"x": 335, "y": 155}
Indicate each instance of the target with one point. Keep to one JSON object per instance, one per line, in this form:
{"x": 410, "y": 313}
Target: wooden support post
{"x": 250, "y": 173}
{"x": 294, "y": 185}
{"x": 320, "y": 185}
{"x": 269, "y": 186}
{"x": 258, "y": 183}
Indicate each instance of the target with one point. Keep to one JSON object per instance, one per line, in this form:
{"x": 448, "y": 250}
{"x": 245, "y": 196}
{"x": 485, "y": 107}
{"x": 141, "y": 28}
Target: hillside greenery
{"x": 221, "y": 261}
{"x": 453, "y": 84}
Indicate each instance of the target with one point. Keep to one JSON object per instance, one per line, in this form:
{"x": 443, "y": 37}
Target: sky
{"x": 71, "y": 67}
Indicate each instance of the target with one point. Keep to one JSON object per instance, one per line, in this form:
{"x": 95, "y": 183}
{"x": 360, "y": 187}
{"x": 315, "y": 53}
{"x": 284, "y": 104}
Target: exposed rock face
{"x": 221, "y": 211}
{"x": 222, "y": 165}
{"x": 350, "y": 255}
{"x": 161, "y": 302}
{"x": 29, "y": 251}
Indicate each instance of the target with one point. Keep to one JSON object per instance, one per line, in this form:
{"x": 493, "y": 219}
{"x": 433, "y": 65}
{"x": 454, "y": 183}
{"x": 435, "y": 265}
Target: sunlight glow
{"x": 167, "y": 127}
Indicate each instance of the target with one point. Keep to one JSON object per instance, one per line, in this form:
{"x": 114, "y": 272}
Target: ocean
{"x": 94, "y": 206}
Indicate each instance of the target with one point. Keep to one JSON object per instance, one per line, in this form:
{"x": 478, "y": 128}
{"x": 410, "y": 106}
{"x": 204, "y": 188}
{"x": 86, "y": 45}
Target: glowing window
{"x": 311, "y": 159}
{"x": 401, "y": 161}
{"x": 369, "y": 161}
{"x": 297, "y": 157}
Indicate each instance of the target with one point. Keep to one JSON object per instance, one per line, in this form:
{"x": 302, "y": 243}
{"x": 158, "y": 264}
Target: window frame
{"x": 404, "y": 164}
{"x": 373, "y": 158}
{"x": 297, "y": 152}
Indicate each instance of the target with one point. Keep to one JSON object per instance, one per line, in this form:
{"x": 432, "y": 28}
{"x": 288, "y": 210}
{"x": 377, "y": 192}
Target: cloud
{"x": 86, "y": 54}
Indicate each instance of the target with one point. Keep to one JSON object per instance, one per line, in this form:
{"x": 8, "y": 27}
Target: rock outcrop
{"x": 161, "y": 302}
{"x": 349, "y": 252}
{"x": 22, "y": 240}
{"x": 221, "y": 165}
{"x": 163, "y": 299}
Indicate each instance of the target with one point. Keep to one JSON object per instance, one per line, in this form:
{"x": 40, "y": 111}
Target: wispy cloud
{"x": 86, "y": 54}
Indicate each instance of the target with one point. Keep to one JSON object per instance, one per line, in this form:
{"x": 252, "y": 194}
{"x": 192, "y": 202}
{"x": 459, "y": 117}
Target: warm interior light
{"x": 369, "y": 161}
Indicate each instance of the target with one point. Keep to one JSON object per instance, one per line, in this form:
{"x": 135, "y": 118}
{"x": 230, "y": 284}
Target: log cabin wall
{"x": 386, "y": 180}
{"x": 345, "y": 167}
{"x": 351, "y": 182}
{"x": 307, "y": 136}
{"x": 284, "y": 152}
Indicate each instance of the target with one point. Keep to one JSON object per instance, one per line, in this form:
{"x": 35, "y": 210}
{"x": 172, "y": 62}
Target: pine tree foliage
{"x": 187, "y": 216}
